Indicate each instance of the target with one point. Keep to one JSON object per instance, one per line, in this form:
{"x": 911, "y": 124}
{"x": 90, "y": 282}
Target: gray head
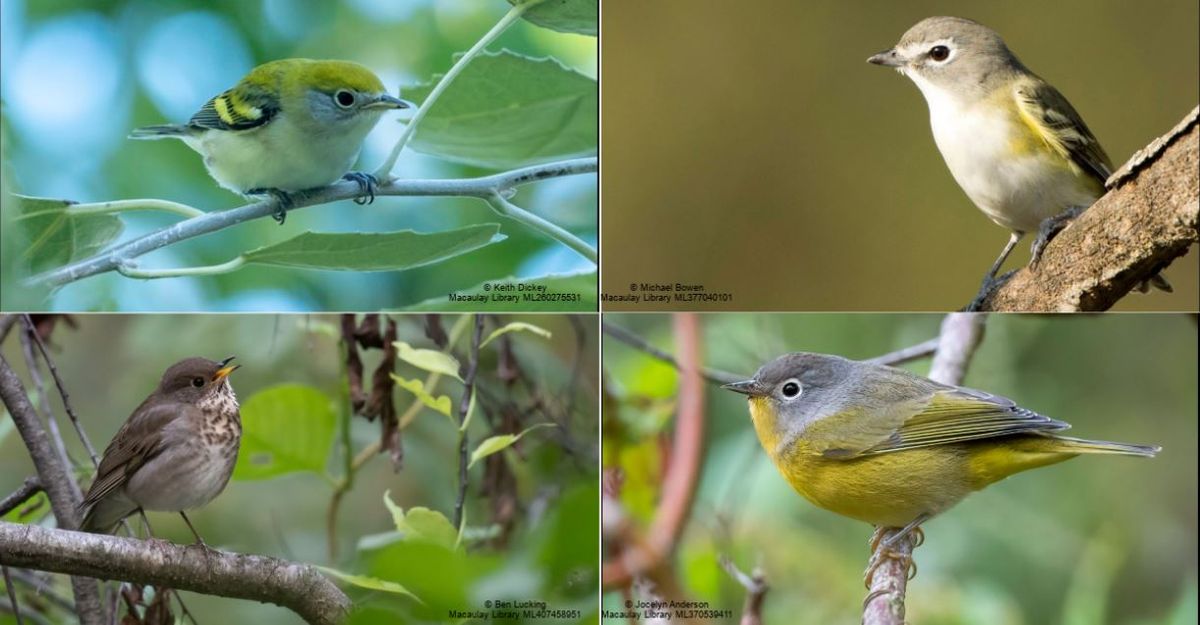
{"x": 799, "y": 383}
{"x": 952, "y": 53}
{"x": 191, "y": 379}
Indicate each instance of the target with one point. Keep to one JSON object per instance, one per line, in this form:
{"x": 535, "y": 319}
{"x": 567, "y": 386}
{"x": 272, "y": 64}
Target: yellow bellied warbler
{"x": 289, "y": 125}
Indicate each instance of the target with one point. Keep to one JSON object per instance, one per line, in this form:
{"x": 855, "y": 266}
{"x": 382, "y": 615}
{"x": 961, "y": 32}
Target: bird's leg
{"x": 199, "y": 541}
{"x": 282, "y": 198}
{"x": 990, "y": 281}
{"x": 1049, "y": 228}
{"x": 367, "y": 184}
{"x": 882, "y": 549}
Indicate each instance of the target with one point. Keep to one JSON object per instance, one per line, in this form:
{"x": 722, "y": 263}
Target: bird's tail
{"x": 164, "y": 131}
{"x": 103, "y": 516}
{"x": 1068, "y": 444}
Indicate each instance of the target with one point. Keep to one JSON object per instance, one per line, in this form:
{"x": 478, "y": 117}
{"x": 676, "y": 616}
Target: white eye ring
{"x": 344, "y": 98}
{"x": 791, "y": 389}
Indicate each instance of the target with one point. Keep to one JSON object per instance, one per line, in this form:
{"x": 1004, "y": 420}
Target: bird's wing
{"x": 884, "y": 409}
{"x": 139, "y": 440}
{"x": 1052, "y": 118}
{"x": 242, "y": 108}
{"x": 957, "y": 414}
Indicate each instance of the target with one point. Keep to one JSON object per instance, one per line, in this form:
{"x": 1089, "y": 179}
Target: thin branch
{"x": 512, "y": 211}
{"x": 385, "y": 170}
{"x": 62, "y": 391}
{"x": 55, "y": 479}
{"x": 464, "y": 408}
{"x": 1148, "y": 218}
{"x": 640, "y": 557}
{"x": 756, "y": 588}
{"x": 6, "y": 323}
{"x": 12, "y": 594}
{"x": 483, "y": 188}
{"x": 907, "y": 354}
{"x": 713, "y": 376}
{"x": 298, "y": 587}
{"x": 960, "y": 335}
{"x": 35, "y": 375}
{"x": 30, "y": 487}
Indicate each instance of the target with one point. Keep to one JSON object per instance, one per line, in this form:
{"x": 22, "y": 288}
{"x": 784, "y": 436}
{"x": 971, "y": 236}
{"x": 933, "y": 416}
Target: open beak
{"x": 887, "y": 58}
{"x": 225, "y": 369}
{"x": 385, "y": 101}
{"x": 746, "y": 387}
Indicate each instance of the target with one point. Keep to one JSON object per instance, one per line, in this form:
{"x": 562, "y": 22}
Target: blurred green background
{"x": 751, "y": 148}
{"x": 1093, "y": 540}
{"x": 78, "y": 75}
{"x": 110, "y": 363}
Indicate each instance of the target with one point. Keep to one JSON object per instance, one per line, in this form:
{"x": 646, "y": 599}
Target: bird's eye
{"x": 197, "y": 382}
{"x": 939, "y": 53}
{"x": 344, "y": 98}
{"x": 790, "y": 389}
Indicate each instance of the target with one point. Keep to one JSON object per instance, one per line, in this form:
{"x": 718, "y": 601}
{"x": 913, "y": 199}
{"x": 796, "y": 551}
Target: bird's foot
{"x": 1049, "y": 228}
{"x": 367, "y": 184}
{"x": 989, "y": 286}
{"x": 283, "y": 200}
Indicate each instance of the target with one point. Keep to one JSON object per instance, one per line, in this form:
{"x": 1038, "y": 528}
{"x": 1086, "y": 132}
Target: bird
{"x": 1013, "y": 142}
{"x": 289, "y": 125}
{"x": 176, "y": 452}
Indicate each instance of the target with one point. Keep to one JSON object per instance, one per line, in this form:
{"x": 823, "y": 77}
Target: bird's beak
{"x": 386, "y": 101}
{"x": 887, "y": 58}
{"x": 225, "y": 369}
{"x": 746, "y": 387}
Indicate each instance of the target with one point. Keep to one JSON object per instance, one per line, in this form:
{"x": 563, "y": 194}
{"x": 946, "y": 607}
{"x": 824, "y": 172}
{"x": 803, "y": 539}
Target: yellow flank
{"x": 894, "y": 488}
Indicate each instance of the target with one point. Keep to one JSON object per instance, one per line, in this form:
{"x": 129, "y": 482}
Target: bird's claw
{"x": 1049, "y": 228}
{"x": 367, "y": 184}
{"x": 283, "y": 200}
{"x": 986, "y": 289}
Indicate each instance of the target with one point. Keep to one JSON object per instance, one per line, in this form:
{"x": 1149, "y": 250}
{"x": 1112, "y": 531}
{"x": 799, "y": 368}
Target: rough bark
{"x": 1147, "y": 219}
{"x": 298, "y": 587}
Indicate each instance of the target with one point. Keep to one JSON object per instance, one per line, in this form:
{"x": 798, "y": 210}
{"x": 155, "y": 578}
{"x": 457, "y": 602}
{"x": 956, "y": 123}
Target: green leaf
{"x": 505, "y": 110}
{"x": 515, "y": 327}
{"x": 285, "y": 429}
{"x": 565, "y": 16}
{"x": 370, "y": 251}
{"x": 441, "y": 403}
{"x": 56, "y": 237}
{"x": 563, "y": 293}
{"x": 499, "y": 443}
{"x": 430, "y": 360}
{"x": 422, "y": 524}
{"x": 371, "y": 583}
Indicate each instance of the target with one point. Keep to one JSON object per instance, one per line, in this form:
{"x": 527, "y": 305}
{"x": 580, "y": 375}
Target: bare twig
{"x": 298, "y": 587}
{"x": 713, "y": 376}
{"x": 62, "y": 390}
{"x": 640, "y": 557}
{"x": 30, "y": 487}
{"x": 756, "y": 590}
{"x": 464, "y": 406}
{"x": 12, "y": 594}
{"x": 56, "y": 480}
{"x": 1148, "y": 218}
{"x": 960, "y": 335}
{"x": 35, "y": 375}
{"x": 908, "y": 354}
{"x": 484, "y": 188}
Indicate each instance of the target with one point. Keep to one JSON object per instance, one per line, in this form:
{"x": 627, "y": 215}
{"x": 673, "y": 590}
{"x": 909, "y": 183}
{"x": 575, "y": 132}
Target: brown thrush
{"x": 174, "y": 453}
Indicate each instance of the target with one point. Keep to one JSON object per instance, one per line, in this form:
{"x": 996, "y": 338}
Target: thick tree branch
{"x": 960, "y": 335}
{"x": 298, "y": 587}
{"x": 1147, "y": 219}
{"x": 56, "y": 481}
{"x": 485, "y": 188}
